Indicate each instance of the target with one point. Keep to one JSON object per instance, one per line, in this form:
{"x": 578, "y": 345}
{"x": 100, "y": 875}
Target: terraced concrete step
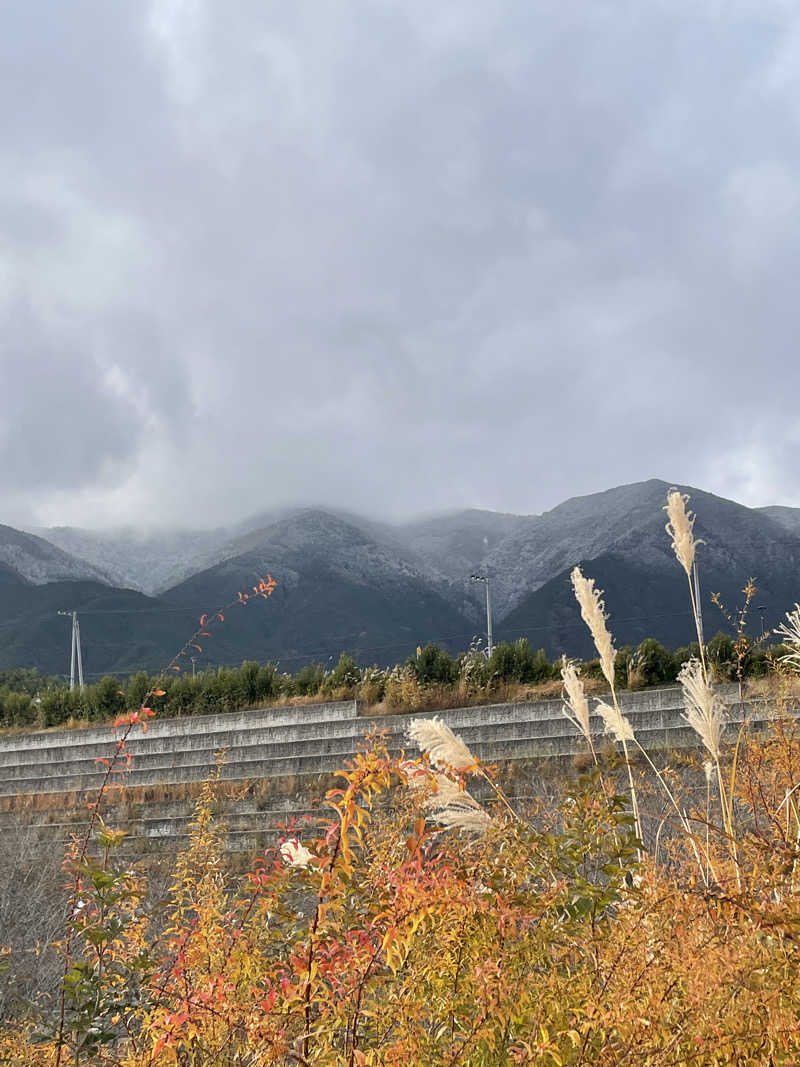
{"x": 295, "y": 723}
{"x": 310, "y": 736}
{"x": 161, "y": 825}
{"x": 564, "y": 743}
{"x": 284, "y": 715}
{"x": 340, "y": 746}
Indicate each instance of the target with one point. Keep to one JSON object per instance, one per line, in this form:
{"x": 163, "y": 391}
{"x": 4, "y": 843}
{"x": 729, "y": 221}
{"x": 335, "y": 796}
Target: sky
{"x": 394, "y": 257}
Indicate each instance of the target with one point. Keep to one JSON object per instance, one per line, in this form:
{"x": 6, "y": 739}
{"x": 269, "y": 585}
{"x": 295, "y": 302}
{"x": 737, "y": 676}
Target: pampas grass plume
{"x": 789, "y": 631}
{"x": 705, "y": 712}
{"x": 681, "y": 529}
{"x": 593, "y": 613}
{"x": 444, "y": 748}
{"x": 614, "y": 722}
{"x": 575, "y": 706}
{"x": 450, "y": 805}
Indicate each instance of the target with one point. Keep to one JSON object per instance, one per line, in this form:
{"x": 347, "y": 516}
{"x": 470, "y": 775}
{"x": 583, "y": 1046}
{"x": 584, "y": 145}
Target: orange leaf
{"x": 159, "y": 693}
{"x": 174, "y": 667}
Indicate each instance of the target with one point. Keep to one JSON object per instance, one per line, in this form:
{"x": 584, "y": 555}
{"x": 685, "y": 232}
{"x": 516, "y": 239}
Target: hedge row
{"x": 28, "y": 699}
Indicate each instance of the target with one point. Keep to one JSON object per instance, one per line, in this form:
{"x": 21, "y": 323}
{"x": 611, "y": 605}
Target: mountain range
{"x": 378, "y": 590}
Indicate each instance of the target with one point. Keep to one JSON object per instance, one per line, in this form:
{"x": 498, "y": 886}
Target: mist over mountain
{"x": 789, "y": 518}
{"x": 338, "y": 589}
{"x": 139, "y": 559}
{"x": 377, "y": 590}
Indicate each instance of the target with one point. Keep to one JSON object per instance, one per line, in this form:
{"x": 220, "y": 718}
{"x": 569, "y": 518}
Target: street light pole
{"x": 698, "y": 603}
{"x": 484, "y": 578}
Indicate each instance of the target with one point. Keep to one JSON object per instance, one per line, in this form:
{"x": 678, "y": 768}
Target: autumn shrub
{"x": 411, "y": 925}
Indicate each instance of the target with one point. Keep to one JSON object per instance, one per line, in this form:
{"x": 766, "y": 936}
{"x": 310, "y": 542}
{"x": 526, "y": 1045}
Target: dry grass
{"x": 443, "y": 698}
{"x": 130, "y": 797}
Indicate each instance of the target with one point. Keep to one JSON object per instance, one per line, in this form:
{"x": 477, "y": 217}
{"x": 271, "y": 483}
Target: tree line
{"x": 29, "y": 699}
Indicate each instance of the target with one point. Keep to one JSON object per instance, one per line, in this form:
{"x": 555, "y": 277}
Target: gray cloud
{"x": 394, "y": 258}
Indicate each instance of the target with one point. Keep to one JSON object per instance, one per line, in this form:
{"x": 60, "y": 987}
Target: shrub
{"x": 722, "y": 654}
{"x": 654, "y": 664}
{"x": 434, "y": 666}
{"x": 16, "y": 709}
{"x": 105, "y": 699}
{"x": 308, "y": 681}
{"x": 518, "y": 662}
{"x": 372, "y": 689}
{"x": 345, "y": 675}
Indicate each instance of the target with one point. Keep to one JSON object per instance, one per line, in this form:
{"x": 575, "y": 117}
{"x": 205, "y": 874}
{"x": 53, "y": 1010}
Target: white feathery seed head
{"x": 789, "y": 632}
{"x": 614, "y": 721}
{"x": 705, "y": 712}
{"x": 444, "y": 748}
{"x": 681, "y": 529}
{"x": 593, "y": 613}
{"x": 708, "y": 769}
{"x": 450, "y": 805}
{"x": 575, "y": 706}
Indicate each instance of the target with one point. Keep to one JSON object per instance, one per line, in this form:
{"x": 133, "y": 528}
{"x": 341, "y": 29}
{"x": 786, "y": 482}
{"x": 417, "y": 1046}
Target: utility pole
{"x": 485, "y": 579}
{"x": 75, "y": 652}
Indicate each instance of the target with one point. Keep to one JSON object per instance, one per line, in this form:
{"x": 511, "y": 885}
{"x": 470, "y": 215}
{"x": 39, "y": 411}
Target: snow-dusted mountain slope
{"x": 138, "y": 559}
{"x": 38, "y": 561}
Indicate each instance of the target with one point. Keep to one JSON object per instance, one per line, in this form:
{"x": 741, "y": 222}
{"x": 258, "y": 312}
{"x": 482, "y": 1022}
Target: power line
{"x": 342, "y": 641}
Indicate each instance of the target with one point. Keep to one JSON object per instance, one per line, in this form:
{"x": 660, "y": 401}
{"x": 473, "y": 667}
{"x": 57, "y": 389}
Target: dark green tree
{"x": 434, "y": 666}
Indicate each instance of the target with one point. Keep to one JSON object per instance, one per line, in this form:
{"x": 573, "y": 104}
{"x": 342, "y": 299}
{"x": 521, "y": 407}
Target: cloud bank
{"x": 392, "y": 257}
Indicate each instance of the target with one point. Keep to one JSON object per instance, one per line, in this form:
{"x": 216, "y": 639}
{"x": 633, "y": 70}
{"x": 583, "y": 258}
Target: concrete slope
{"x": 278, "y": 759}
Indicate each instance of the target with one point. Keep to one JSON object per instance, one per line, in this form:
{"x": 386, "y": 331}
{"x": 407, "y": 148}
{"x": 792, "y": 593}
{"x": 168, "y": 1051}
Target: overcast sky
{"x": 398, "y": 257}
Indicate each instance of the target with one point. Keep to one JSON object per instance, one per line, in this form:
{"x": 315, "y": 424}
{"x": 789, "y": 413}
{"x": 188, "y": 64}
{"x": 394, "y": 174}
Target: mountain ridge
{"x": 374, "y": 589}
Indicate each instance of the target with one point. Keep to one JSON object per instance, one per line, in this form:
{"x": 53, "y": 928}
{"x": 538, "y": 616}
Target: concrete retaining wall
{"x": 46, "y": 777}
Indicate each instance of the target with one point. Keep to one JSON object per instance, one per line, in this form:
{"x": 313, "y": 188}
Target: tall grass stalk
{"x": 704, "y": 710}
{"x": 575, "y": 706}
{"x": 680, "y": 528}
{"x": 590, "y": 601}
{"x": 593, "y": 613}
